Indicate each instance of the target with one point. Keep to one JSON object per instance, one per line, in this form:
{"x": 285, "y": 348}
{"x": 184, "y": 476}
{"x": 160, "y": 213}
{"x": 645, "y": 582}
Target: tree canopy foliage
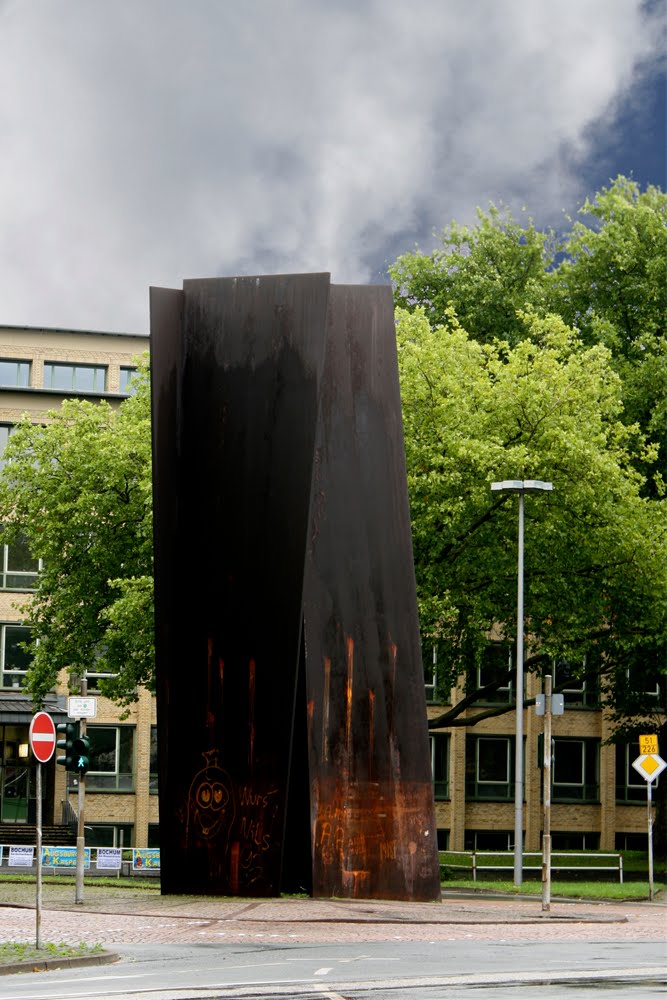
{"x": 523, "y": 354}
{"x": 78, "y": 489}
{"x": 526, "y": 355}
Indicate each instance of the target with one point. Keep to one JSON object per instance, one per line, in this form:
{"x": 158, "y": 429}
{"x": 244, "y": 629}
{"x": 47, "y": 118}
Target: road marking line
{"x": 322, "y": 972}
{"x": 328, "y": 993}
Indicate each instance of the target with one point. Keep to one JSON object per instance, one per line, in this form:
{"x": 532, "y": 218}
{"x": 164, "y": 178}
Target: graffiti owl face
{"x": 210, "y": 803}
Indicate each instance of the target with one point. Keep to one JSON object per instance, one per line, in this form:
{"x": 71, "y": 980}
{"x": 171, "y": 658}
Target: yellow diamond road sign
{"x": 649, "y": 765}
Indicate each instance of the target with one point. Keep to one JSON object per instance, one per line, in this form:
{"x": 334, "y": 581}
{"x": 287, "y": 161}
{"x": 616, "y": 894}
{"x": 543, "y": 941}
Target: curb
{"x": 49, "y": 964}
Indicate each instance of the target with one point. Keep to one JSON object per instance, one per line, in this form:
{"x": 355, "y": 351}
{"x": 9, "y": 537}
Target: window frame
{"x": 3, "y": 656}
{"x": 629, "y": 751}
{"x": 115, "y": 828}
{"x": 6, "y": 571}
{"x": 129, "y": 371}
{"x": 472, "y": 837}
{"x": 75, "y": 367}
{"x": 489, "y": 790}
{"x": 9, "y": 428}
{"x": 21, "y": 363}
{"x": 585, "y": 790}
{"x": 505, "y": 693}
{"x": 99, "y": 780}
{"x": 439, "y": 745}
{"x": 153, "y": 761}
{"x": 430, "y": 674}
{"x": 584, "y": 696}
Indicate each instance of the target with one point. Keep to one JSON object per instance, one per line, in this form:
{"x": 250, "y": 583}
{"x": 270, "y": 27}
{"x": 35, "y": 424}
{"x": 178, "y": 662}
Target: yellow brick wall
{"x": 605, "y": 817}
{"x": 139, "y": 807}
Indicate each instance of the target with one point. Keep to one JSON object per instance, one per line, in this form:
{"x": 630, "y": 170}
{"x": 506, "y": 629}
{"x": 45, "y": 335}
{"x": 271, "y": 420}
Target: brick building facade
{"x": 39, "y": 368}
{"x": 598, "y": 799}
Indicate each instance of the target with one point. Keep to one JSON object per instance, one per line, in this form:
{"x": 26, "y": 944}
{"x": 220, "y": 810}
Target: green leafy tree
{"x": 606, "y": 277}
{"x": 596, "y": 548}
{"x": 78, "y": 489}
{"x": 611, "y": 283}
{"x": 486, "y": 273}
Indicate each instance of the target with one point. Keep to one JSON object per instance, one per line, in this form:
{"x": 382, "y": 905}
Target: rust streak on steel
{"x": 348, "y": 700}
{"x": 326, "y": 695}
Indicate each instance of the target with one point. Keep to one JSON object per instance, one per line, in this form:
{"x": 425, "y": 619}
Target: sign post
{"x": 547, "y": 704}
{"x": 649, "y": 764}
{"x": 42, "y": 738}
{"x": 87, "y": 707}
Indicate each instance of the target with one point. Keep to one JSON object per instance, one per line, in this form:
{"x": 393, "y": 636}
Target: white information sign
{"x": 649, "y": 765}
{"x": 81, "y": 708}
{"x": 109, "y": 857}
{"x": 21, "y": 856}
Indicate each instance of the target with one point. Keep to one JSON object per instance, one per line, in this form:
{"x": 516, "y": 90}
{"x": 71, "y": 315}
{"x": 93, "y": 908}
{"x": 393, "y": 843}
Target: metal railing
{"x": 495, "y": 861}
{"x": 104, "y": 860}
{"x": 68, "y": 815}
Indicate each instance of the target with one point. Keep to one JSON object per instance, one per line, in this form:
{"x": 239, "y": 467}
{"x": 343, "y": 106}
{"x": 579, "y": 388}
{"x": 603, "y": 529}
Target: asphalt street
{"x": 181, "y": 948}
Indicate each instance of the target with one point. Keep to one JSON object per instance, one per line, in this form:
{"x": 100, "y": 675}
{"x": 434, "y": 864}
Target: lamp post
{"x": 520, "y": 486}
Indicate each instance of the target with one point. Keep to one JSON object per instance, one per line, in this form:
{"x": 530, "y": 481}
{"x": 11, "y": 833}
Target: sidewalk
{"x": 122, "y": 916}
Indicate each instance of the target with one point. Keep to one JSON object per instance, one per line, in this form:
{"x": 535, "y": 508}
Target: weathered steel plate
{"x": 236, "y": 402}
{"x": 290, "y": 758}
{"x": 372, "y": 814}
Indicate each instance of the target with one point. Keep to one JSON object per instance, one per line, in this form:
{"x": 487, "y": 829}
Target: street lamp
{"x": 520, "y": 486}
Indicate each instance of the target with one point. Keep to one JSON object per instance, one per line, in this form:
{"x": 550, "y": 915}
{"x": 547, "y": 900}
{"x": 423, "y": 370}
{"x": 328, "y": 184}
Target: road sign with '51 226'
{"x": 649, "y": 743}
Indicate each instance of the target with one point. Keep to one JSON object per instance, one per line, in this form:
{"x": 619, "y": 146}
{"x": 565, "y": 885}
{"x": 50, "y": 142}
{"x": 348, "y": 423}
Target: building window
{"x": 575, "y": 841}
{"x": 489, "y": 840}
{"x": 95, "y": 676}
{"x": 443, "y": 840}
{"x": 651, "y": 672}
{"x": 5, "y": 431}
{"x": 152, "y": 768}
{"x": 631, "y": 842}
{"x": 126, "y": 384}
{"x": 18, "y": 569}
{"x": 630, "y": 786}
{"x": 430, "y": 661}
{"x": 440, "y": 765}
{"x": 579, "y": 691}
{"x": 495, "y": 672}
{"x": 111, "y": 759}
{"x": 14, "y": 660}
{"x": 75, "y": 378}
{"x": 14, "y": 373}
{"x": 153, "y": 835}
{"x": 490, "y": 767}
{"x": 110, "y": 835}
{"x": 576, "y": 770}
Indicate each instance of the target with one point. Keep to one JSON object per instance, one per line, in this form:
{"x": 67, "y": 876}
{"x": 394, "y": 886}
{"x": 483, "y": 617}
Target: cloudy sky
{"x": 144, "y": 141}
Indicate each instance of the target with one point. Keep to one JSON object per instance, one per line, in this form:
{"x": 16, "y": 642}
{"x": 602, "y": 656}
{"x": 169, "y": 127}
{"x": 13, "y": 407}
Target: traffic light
{"x": 71, "y": 733}
{"x": 81, "y": 754}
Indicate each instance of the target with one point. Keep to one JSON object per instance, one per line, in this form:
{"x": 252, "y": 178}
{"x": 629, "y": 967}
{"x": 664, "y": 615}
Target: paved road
{"x": 410, "y": 969}
{"x": 182, "y": 947}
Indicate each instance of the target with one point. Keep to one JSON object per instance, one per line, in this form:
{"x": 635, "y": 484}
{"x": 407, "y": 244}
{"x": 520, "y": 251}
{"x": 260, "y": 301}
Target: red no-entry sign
{"x": 42, "y": 736}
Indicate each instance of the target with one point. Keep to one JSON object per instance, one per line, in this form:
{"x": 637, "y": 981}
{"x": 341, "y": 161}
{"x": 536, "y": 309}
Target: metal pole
{"x": 81, "y": 799}
{"x": 38, "y": 902}
{"x": 518, "y": 750}
{"x": 546, "y": 794}
{"x": 650, "y": 841}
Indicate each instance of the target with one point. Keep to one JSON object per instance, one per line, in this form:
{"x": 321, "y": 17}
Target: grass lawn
{"x": 573, "y": 890}
{"x": 16, "y": 951}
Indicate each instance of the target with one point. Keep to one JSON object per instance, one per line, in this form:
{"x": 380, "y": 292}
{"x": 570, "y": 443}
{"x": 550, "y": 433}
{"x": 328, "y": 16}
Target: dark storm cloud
{"x": 146, "y": 141}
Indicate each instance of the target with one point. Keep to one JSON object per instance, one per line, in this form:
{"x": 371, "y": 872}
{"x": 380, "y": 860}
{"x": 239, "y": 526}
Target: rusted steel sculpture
{"x": 293, "y": 750}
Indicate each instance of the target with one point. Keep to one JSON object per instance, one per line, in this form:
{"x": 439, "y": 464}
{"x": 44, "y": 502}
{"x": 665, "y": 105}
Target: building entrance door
{"x": 15, "y": 774}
